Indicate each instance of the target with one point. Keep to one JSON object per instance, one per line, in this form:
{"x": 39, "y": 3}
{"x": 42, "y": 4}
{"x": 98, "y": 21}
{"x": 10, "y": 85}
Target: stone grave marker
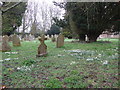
{"x": 6, "y": 38}
{"x": 42, "y": 49}
{"x": 26, "y": 38}
{"x": 10, "y": 38}
{"x": 16, "y": 40}
{"x": 0, "y": 38}
{"x": 5, "y": 46}
{"x": 60, "y": 41}
{"x": 48, "y": 37}
{"x": 31, "y": 37}
{"x": 53, "y": 38}
{"x": 20, "y": 37}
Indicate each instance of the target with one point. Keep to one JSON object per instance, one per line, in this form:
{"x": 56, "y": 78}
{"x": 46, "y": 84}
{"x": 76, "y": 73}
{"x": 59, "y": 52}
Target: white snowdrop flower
{"x": 59, "y": 55}
{"x": 89, "y": 59}
{"x": 7, "y": 52}
{"x": 1, "y": 60}
{"x": 99, "y": 54}
{"x": 105, "y": 62}
{"x": 32, "y": 65}
{"x": 7, "y": 59}
{"x": 14, "y": 52}
{"x": 96, "y": 57}
{"x": 73, "y": 62}
{"x": 18, "y": 68}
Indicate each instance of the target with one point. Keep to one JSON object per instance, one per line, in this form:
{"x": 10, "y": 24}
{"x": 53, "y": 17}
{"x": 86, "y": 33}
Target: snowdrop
{"x": 7, "y": 52}
{"x": 14, "y": 52}
{"x": 18, "y": 68}
{"x": 11, "y": 52}
{"x": 7, "y": 59}
{"x": 25, "y": 68}
{"x": 89, "y": 59}
{"x": 105, "y": 62}
{"x": 73, "y": 62}
{"x": 1, "y": 60}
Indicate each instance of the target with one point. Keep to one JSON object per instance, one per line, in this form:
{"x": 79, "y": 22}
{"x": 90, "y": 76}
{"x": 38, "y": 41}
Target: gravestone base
{"x": 4, "y": 47}
{"x": 42, "y": 55}
{"x": 5, "y": 50}
{"x": 16, "y": 45}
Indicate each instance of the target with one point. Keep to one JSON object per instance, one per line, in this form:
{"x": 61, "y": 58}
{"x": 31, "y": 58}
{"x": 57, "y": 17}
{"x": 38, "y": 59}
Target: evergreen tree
{"x": 12, "y": 16}
{"x": 92, "y": 18}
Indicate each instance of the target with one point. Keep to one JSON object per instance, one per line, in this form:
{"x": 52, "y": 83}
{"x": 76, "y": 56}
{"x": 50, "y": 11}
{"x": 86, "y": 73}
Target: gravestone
{"x": 31, "y": 37}
{"x": 10, "y": 38}
{"x": 5, "y": 46}
{"x": 16, "y": 40}
{"x": 20, "y": 37}
{"x": 53, "y": 39}
{"x": 60, "y": 41}
{"x": 42, "y": 49}
{"x": 6, "y": 38}
{"x": 0, "y": 38}
{"x": 26, "y": 38}
{"x": 48, "y": 37}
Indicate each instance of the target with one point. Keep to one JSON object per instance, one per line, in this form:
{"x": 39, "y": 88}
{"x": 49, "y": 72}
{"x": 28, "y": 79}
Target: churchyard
{"x": 59, "y": 44}
{"x": 72, "y": 65}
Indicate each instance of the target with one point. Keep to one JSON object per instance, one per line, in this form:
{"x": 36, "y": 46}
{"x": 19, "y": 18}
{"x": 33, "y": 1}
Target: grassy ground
{"x": 75, "y": 65}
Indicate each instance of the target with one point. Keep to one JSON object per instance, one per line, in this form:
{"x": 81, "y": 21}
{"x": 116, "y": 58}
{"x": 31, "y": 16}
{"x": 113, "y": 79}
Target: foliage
{"x": 91, "y": 19}
{"x": 52, "y": 83}
{"x": 53, "y": 30}
{"x": 28, "y": 62}
{"x": 12, "y": 18}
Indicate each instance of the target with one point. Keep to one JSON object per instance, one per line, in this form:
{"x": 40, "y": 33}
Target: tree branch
{"x": 3, "y": 11}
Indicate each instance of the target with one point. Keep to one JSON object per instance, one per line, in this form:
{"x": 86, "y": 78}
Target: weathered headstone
{"x": 16, "y": 40}
{"x": 20, "y": 37}
{"x": 26, "y": 38}
{"x": 60, "y": 41}
{"x": 31, "y": 37}
{"x": 0, "y": 38}
{"x": 5, "y": 46}
{"x": 42, "y": 49}
{"x": 10, "y": 37}
{"x": 53, "y": 39}
{"x": 48, "y": 37}
{"x": 6, "y": 37}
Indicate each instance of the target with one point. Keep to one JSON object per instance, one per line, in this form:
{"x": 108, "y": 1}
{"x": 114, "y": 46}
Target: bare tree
{"x": 39, "y": 16}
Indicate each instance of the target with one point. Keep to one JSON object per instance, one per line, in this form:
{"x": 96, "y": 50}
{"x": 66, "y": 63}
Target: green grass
{"x": 75, "y": 65}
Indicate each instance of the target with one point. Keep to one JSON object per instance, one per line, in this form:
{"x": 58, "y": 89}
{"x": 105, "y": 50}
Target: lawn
{"x": 75, "y": 65}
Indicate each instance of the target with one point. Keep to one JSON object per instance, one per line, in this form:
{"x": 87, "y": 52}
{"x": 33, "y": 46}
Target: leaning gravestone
{"x": 5, "y": 46}
{"x": 60, "y": 41}
{"x": 42, "y": 49}
{"x": 16, "y": 40}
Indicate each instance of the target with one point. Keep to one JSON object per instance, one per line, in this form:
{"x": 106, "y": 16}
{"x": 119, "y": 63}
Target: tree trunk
{"x": 92, "y": 38}
{"x": 82, "y": 37}
{"x": 23, "y": 32}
